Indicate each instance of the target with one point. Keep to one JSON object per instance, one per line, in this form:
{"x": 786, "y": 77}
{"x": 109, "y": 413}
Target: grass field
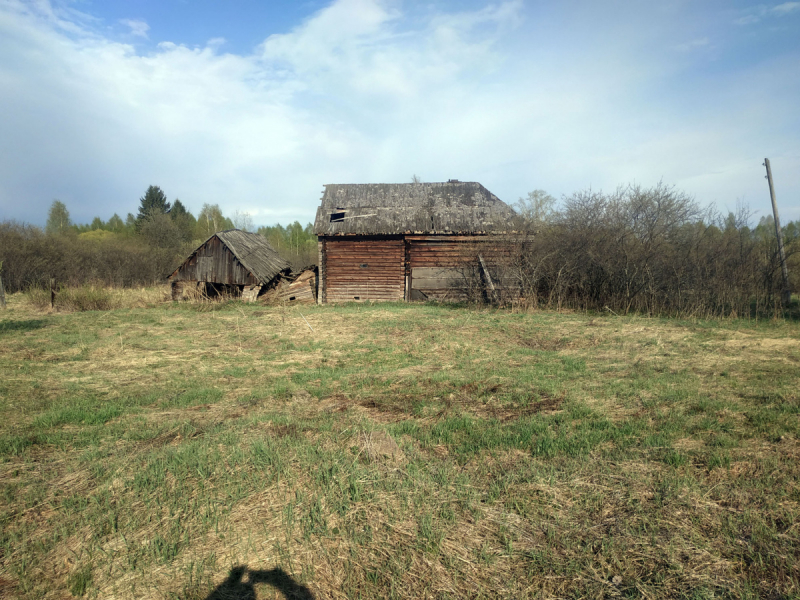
{"x": 226, "y": 450}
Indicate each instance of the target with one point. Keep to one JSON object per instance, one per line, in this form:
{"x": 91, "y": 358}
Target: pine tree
{"x": 154, "y": 202}
{"x": 183, "y": 219}
{"x": 178, "y": 209}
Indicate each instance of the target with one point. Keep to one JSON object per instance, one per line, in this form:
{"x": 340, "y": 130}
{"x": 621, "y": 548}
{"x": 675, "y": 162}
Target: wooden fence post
{"x": 2, "y": 289}
{"x": 52, "y": 292}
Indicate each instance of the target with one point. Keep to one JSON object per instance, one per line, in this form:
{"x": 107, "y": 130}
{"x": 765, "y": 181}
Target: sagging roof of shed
{"x": 455, "y": 207}
{"x": 254, "y": 253}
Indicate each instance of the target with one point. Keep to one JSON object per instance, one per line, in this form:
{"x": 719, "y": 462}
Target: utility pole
{"x": 787, "y": 294}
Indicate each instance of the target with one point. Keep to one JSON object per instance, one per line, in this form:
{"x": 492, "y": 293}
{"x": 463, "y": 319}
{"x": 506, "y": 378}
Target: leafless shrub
{"x": 647, "y": 250}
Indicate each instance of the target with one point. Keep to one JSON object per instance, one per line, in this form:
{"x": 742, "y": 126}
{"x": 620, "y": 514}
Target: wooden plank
{"x": 363, "y": 285}
{"x": 302, "y": 290}
{"x": 250, "y": 293}
{"x": 358, "y": 265}
{"x": 436, "y": 284}
{"x": 368, "y": 257}
{"x": 436, "y": 273}
{"x": 427, "y": 278}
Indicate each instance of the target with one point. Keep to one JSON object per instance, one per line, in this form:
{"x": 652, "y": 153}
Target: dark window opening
{"x": 363, "y": 265}
{"x": 292, "y": 298}
{"x": 337, "y": 217}
{"x": 356, "y": 297}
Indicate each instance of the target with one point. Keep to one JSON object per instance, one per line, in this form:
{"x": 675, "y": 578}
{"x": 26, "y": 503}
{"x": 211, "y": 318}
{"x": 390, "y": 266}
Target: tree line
{"x": 648, "y": 250}
{"x": 141, "y": 249}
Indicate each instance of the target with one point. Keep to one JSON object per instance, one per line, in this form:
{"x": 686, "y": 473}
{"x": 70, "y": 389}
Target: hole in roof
{"x": 292, "y": 298}
{"x": 337, "y": 217}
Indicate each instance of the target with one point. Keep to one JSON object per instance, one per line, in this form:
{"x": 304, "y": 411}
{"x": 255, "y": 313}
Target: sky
{"x": 256, "y": 105}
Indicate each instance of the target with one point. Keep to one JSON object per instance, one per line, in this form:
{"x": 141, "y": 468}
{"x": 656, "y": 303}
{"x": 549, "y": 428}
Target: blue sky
{"x": 257, "y": 105}
{"x": 243, "y": 25}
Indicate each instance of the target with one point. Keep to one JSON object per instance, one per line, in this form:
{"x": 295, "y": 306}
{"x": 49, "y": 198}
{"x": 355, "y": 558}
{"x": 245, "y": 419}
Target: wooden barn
{"x": 409, "y": 241}
{"x": 232, "y": 261}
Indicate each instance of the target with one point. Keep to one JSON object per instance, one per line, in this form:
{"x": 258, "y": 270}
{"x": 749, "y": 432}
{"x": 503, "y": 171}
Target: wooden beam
{"x": 488, "y": 277}
{"x": 787, "y": 294}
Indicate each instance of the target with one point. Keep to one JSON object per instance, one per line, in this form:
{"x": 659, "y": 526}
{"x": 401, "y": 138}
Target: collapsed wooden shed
{"x": 234, "y": 262}
{"x": 295, "y": 288}
{"x": 411, "y": 241}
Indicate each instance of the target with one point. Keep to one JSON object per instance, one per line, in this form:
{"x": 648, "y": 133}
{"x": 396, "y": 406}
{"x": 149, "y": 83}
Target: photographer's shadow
{"x": 236, "y": 588}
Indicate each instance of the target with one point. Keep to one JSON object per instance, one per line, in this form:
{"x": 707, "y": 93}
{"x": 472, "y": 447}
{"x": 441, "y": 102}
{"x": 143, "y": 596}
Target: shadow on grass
{"x": 235, "y": 588}
{"x": 28, "y": 325}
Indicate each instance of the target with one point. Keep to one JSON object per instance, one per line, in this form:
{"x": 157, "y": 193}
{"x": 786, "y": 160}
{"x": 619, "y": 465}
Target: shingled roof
{"x": 428, "y": 208}
{"x": 252, "y": 251}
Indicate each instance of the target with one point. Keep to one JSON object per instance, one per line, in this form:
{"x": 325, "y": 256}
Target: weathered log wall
{"x": 446, "y": 268}
{"x": 411, "y": 267}
{"x": 361, "y": 268}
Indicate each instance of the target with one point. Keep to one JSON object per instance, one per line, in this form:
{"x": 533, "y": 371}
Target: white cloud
{"x": 60, "y": 16}
{"x": 786, "y": 8}
{"x": 138, "y": 27}
{"x": 361, "y": 92}
{"x": 758, "y": 13}
{"x": 749, "y": 19}
{"x": 331, "y": 36}
{"x": 227, "y": 128}
{"x": 693, "y": 45}
{"x": 355, "y": 44}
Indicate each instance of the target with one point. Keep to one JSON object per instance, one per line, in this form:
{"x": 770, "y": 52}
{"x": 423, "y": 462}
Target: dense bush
{"x": 31, "y": 257}
{"x": 652, "y": 251}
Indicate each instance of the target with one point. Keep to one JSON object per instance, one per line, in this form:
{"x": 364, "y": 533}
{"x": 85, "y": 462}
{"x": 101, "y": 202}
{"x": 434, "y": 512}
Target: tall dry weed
{"x": 95, "y": 297}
